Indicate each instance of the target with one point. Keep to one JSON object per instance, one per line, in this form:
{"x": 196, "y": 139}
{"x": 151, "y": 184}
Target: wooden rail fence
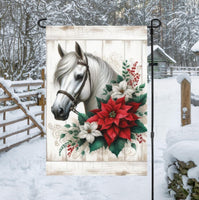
{"x": 176, "y": 70}
{"x": 26, "y": 125}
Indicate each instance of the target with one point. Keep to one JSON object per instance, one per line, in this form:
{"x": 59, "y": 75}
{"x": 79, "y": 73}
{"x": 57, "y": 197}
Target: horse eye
{"x": 79, "y": 77}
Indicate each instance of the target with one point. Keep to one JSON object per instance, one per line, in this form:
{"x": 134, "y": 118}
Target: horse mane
{"x": 68, "y": 63}
{"x": 103, "y": 75}
{"x": 65, "y": 66}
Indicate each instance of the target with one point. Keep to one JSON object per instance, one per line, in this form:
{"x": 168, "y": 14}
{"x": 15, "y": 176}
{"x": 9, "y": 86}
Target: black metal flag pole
{"x": 155, "y": 23}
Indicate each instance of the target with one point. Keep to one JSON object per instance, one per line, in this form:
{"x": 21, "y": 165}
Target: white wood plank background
{"x": 114, "y": 44}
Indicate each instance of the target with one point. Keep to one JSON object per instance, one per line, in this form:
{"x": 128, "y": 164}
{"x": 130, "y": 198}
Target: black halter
{"x": 74, "y": 99}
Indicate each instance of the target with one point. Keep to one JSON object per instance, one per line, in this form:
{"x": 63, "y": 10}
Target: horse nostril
{"x": 60, "y": 111}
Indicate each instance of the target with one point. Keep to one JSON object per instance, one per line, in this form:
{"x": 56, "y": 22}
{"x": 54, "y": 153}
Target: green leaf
{"x": 83, "y": 153}
{"x": 117, "y": 146}
{"x": 119, "y": 79}
{"x": 82, "y": 118}
{"x": 90, "y": 114}
{"x": 70, "y": 132}
{"x": 105, "y": 92}
{"x": 145, "y": 113}
{"x": 74, "y": 125}
{"x": 62, "y": 135}
{"x": 133, "y": 136}
{"x": 75, "y": 131}
{"x": 63, "y": 147}
{"x": 113, "y": 81}
{"x": 139, "y": 99}
{"x": 140, "y": 128}
{"x": 142, "y": 85}
{"x": 139, "y": 113}
{"x": 81, "y": 142}
{"x": 97, "y": 144}
{"x": 67, "y": 125}
{"x": 133, "y": 145}
{"x": 109, "y": 87}
{"x": 99, "y": 101}
{"x": 107, "y": 98}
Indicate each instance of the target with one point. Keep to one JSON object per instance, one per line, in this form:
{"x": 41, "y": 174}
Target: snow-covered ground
{"x": 22, "y": 169}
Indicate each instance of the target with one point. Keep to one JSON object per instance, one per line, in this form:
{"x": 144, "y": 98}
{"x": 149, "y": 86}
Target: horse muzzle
{"x": 60, "y": 113}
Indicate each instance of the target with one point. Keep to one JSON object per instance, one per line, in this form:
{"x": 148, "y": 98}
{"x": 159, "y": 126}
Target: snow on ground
{"x": 22, "y": 169}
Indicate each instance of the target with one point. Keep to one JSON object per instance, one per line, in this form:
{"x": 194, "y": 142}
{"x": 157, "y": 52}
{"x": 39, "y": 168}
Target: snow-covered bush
{"x": 182, "y": 163}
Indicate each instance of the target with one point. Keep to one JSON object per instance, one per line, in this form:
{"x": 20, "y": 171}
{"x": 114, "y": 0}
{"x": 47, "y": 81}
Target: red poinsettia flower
{"x": 115, "y": 119}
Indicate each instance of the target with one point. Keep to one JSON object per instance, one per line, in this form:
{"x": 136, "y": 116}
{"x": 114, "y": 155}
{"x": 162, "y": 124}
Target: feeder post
{"x": 185, "y": 102}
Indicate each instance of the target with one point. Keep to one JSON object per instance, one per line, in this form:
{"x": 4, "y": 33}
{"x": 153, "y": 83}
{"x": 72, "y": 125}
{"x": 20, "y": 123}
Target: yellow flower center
{"x": 122, "y": 91}
{"x": 89, "y": 131}
{"x": 112, "y": 114}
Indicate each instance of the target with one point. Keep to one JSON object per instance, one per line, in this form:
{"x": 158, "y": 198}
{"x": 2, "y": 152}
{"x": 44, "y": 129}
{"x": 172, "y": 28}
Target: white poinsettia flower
{"x": 121, "y": 90}
{"x": 89, "y": 131}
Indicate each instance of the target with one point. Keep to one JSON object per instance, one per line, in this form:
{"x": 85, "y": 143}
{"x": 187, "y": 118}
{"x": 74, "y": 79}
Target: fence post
{"x": 28, "y": 98}
{"x": 171, "y": 71}
{"x": 43, "y": 103}
{"x": 43, "y": 77}
{"x": 4, "y": 116}
{"x": 185, "y": 102}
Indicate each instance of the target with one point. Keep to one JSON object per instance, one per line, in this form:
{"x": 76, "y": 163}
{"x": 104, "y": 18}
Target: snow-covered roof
{"x": 161, "y": 50}
{"x": 195, "y": 47}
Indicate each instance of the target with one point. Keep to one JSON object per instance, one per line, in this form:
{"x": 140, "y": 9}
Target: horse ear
{"x": 62, "y": 53}
{"x": 79, "y": 51}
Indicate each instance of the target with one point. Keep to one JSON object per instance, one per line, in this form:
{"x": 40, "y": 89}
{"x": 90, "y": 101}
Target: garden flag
{"x": 96, "y": 100}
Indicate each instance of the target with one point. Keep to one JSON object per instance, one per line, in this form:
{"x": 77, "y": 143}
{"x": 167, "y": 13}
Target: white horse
{"x": 82, "y": 77}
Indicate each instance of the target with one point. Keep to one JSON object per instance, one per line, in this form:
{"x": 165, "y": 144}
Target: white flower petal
{"x": 82, "y": 134}
{"x": 115, "y": 88}
{"x": 87, "y": 126}
{"x": 96, "y": 133}
{"x": 93, "y": 125}
{"x": 123, "y": 85}
{"x": 117, "y": 95}
{"x": 90, "y": 138}
{"x": 129, "y": 92}
{"x": 81, "y": 127}
{"x": 126, "y": 98}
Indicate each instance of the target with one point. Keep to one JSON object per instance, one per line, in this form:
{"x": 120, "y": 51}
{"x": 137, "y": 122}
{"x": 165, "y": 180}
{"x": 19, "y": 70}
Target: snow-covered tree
{"x": 23, "y": 42}
{"x": 184, "y": 27}
{"x": 20, "y": 37}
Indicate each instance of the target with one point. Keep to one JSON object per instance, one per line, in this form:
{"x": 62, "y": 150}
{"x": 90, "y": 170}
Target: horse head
{"x": 74, "y": 79}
